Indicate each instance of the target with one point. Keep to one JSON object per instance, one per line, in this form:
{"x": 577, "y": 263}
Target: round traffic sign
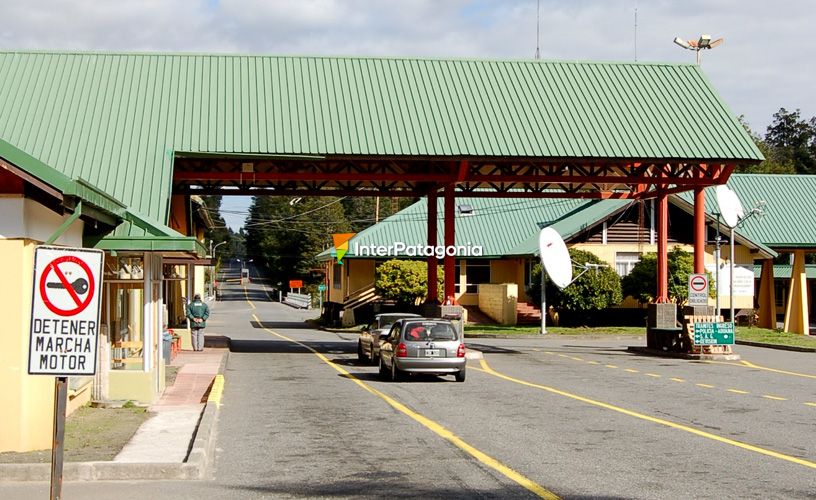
{"x": 698, "y": 283}
{"x": 53, "y": 292}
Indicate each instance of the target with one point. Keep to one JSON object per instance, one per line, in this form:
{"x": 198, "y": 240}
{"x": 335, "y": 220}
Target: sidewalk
{"x": 166, "y": 437}
{"x": 178, "y": 442}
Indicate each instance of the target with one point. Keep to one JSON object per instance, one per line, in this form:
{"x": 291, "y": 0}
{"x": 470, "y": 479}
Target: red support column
{"x": 662, "y": 248}
{"x": 699, "y": 231}
{"x": 433, "y": 262}
{"x": 450, "y": 223}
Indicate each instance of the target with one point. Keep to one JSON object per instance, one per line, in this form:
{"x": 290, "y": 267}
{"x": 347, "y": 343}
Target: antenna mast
{"x": 635, "y": 33}
{"x": 538, "y": 26}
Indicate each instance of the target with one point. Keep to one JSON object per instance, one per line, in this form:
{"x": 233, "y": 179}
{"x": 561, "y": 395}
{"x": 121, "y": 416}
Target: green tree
{"x": 774, "y": 162}
{"x": 284, "y": 235}
{"x": 792, "y": 140}
{"x": 641, "y": 283}
{"x": 362, "y": 212}
{"x": 597, "y": 289}
{"x": 405, "y": 281}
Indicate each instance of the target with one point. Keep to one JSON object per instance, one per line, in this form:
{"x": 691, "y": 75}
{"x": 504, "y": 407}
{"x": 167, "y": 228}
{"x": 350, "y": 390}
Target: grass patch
{"x": 553, "y": 330}
{"x": 753, "y": 334}
{"x": 91, "y": 434}
{"x": 170, "y": 374}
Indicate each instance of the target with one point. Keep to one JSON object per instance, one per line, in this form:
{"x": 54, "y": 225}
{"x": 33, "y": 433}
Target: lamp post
{"x": 212, "y": 266}
{"x": 704, "y": 42}
{"x": 759, "y": 211}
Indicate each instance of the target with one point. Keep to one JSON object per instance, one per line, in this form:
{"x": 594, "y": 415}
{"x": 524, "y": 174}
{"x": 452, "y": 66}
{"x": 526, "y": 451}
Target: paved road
{"x": 576, "y": 417}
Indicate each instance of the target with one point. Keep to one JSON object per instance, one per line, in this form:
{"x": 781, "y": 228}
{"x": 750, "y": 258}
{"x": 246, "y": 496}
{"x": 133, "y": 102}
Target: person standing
{"x": 197, "y": 313}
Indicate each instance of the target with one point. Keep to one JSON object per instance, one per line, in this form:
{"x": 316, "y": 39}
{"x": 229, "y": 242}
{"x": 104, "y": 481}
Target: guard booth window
{"x": 123, "y": 310}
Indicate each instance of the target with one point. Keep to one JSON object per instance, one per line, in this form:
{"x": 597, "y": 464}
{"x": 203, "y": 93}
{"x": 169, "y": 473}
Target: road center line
{"x": 246, "y": 294}
{"x": 487, "y": 369}
{"x": 747, "y": 364}
{"x": 438, "y": 429}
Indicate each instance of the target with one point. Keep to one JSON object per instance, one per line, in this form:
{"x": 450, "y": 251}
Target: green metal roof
{"x": 783, "y": 271}
{"x": 116, "y": 120}
{"x": 503, "y": 227}
{"x": 141, "y": 233}
{"x": 789, "y": 210}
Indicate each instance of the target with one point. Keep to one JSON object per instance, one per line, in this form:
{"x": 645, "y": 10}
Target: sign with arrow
{"x": 713, "y": 333}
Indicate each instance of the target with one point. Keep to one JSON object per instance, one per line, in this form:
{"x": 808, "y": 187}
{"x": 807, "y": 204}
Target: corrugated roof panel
{"x": 789, "y": 210}
{"x": 111, "y": 118}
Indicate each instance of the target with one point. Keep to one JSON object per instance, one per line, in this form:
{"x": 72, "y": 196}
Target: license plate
{"x": 431, "y": 353}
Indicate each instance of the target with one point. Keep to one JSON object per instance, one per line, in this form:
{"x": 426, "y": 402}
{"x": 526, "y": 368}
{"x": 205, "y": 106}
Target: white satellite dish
{"x": 555, "y": 257}
{"x": 730, "y": 206}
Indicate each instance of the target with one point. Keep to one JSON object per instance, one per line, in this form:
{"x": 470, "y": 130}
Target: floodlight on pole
{"x": 704, "y": 42}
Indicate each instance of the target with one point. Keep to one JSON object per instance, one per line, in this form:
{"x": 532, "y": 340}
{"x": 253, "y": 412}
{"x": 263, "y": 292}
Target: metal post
{"x": 58, "y": 443}
{"x": 731, "y": 278}
{"x": 543, "y": 302}
{"x": 433, "y": 262}
{"x": 717, "y": 269}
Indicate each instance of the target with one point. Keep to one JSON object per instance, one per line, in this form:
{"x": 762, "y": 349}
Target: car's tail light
{"x": 402, "y": 350}
{"x": 460, "y": 353}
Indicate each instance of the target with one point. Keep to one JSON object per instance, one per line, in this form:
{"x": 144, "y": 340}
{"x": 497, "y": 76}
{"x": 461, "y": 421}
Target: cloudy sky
{"x": 766, "y": 62}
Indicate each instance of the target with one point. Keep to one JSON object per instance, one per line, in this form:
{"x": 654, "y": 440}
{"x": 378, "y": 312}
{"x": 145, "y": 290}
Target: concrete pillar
{"x": 767, "y": 296}
{"x": 797, "y": 317}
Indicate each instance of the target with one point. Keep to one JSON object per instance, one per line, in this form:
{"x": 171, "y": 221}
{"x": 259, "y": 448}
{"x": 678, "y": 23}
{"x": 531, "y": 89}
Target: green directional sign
{"x": 321, "y": 287}
{"x": 713, "y": 333}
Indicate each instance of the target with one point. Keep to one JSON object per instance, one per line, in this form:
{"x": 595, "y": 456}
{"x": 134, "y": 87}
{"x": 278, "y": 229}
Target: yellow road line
{"x": 576, "y": 359}
{"x": 775, "y": 398}
{"x": 563, "y": 356}
{"x": 246, "y": 294}
{"x": 593, "y": 362}
{"x": 707, "y": 386}
{"x": 631, "y": 370}
{"x": 811, "y": 404}
{"x": 748, "y": 364}
{"x": 610, "y": 366}
{"x": 675, "y": 379}
{"x": 487, "y": 369}
{"x": 655, "y": 375}
{"x": 216, "y": 391}
{"x": 438, "y": 429}
{"x": 550, "y": 353}
{"x": 737, "y": 391}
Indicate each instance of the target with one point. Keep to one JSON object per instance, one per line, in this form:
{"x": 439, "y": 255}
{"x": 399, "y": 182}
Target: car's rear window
{"x": 387, "y": 321}
{"x": 429, "y": 330}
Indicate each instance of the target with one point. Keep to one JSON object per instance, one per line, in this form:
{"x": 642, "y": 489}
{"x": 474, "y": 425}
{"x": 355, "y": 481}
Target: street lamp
{"x": 704, "y": 42}
{"x": 759, "y": 211}
{"x": 212, "y": 267}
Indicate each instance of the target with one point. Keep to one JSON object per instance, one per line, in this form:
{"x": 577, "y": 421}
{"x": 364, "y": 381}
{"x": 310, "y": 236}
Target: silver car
{"x": 368, "y": 345}
{"x": 422, "y": 345}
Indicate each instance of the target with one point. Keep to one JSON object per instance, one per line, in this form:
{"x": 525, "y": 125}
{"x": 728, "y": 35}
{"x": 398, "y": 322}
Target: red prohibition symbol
{"x": 698, "y": 283}
{"x": 84, "y": 286}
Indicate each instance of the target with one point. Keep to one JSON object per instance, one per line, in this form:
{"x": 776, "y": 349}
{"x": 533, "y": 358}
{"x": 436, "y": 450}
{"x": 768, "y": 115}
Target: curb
{"x": 776, "y": 346}
{"x": 682, "y": 355}
{"x": 195, "y": 466}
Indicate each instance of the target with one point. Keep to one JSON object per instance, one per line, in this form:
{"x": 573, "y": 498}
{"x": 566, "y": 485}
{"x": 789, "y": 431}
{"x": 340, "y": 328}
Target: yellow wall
{"x": 26, "y": 401}
{"x": 198, "y": 280}
{"x": 133, "y": 385}
{"x": 361, "y": 274}
{"x": 499, "y": 302}
{"x": 505, "y": 271}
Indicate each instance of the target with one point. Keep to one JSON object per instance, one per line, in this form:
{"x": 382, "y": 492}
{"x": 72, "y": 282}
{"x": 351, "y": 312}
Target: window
{"x": 337, "y": 277}
{"x": 476, "y": 273}
{"x": 625, "y": 261}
